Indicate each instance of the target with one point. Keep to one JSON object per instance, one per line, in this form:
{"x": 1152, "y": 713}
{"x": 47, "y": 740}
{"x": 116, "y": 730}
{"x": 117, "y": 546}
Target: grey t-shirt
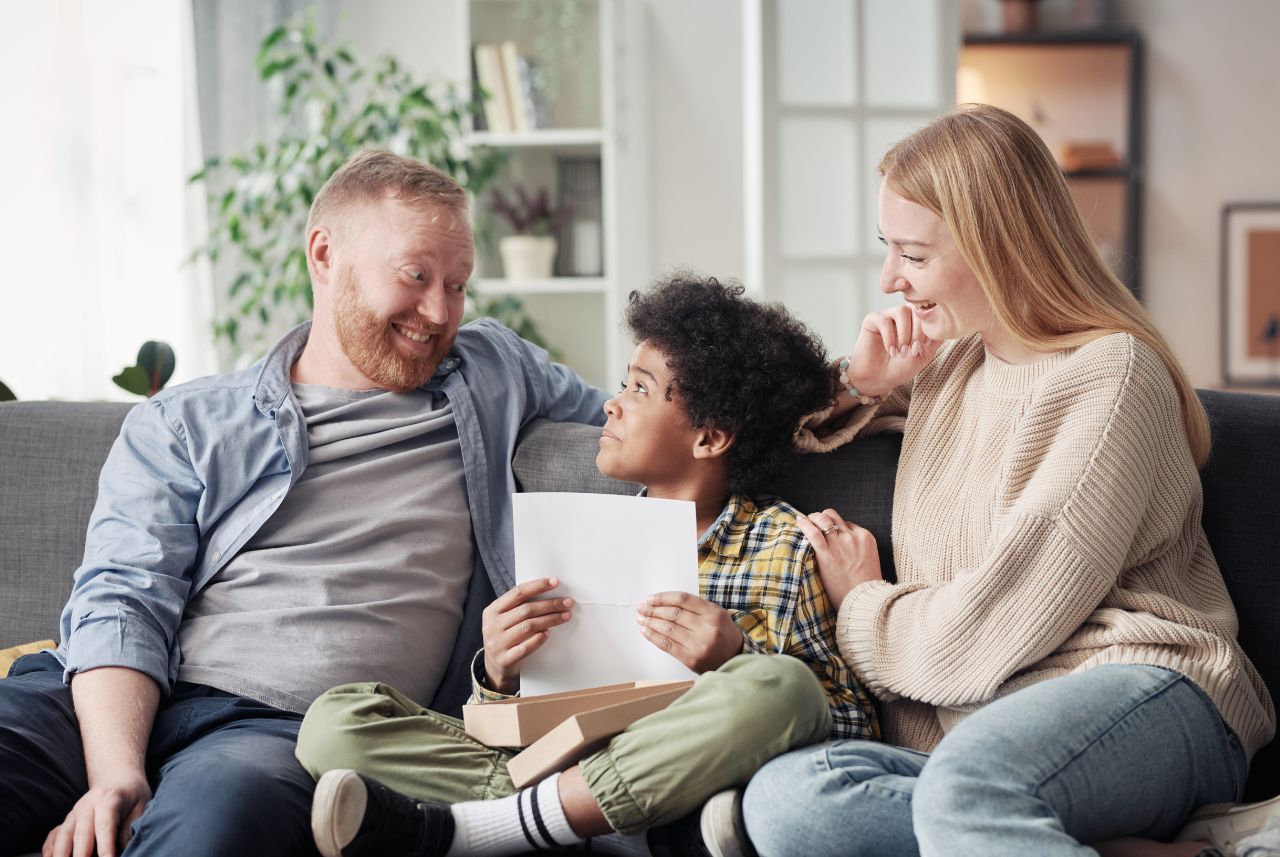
{"x": 359, "y": 575}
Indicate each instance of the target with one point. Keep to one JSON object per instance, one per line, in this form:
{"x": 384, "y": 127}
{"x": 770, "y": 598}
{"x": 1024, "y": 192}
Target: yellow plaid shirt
{"x": 755, "y": 563}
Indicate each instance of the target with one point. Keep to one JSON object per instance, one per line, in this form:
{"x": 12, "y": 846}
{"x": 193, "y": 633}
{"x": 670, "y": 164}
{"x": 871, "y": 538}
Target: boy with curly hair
{"x": 714, "y": 393}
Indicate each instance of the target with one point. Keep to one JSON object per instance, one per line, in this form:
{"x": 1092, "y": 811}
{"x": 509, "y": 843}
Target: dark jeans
{"x": 221, "y": 767}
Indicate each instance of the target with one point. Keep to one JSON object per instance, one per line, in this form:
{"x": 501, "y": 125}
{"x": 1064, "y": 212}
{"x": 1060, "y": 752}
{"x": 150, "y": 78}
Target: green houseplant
{"x": 332, "y": 104}
{"x": 153, "y": 370}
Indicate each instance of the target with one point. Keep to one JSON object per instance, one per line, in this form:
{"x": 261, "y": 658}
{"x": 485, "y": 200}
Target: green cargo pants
{"x": 662, "y": 767}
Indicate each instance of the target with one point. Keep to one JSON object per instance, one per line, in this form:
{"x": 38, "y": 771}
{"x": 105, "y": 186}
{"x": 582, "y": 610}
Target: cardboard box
{"x": 583, "y": 734}
{"x": 522, "y": 721}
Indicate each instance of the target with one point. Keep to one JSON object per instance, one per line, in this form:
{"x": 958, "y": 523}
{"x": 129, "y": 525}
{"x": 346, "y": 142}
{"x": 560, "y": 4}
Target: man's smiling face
{"x": 399, "y": 290}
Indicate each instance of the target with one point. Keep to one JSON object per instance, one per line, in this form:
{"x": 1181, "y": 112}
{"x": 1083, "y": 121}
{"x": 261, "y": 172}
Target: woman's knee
{"x": 836, "y": 798}
{"x": 780, "y": 797}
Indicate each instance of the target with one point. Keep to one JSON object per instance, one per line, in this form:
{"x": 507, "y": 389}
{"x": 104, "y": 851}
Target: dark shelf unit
{"x": 1132, "y": 170}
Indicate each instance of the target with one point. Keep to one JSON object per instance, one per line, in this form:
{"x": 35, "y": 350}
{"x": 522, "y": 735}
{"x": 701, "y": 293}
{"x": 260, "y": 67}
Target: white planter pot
{"x": 527, "y": 257}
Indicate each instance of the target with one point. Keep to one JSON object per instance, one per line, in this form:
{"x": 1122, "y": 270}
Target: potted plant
{"x": 530, "y": 253}
{"x": 152, "y": 372}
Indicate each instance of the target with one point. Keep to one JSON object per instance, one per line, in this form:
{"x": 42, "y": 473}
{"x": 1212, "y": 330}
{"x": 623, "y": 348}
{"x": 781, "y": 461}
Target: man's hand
{"x": 93, "y": 820}
{"x": 116, "y": 707}
{"x": 846, "y": 553}
{"x": 697, "y": 633}
{"x": 514, "y": 626}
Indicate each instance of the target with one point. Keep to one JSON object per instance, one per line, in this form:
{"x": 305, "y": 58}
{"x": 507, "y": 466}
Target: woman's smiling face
{"x": 926, "y": 267}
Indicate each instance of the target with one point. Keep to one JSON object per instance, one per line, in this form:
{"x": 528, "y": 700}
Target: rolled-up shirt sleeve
{"x": 129, "y": 593}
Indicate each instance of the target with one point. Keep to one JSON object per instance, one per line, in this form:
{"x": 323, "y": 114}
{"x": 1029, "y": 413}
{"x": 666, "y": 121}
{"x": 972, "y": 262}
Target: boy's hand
{"x": 697, "y": 633}
{"x": 514, "y": 626}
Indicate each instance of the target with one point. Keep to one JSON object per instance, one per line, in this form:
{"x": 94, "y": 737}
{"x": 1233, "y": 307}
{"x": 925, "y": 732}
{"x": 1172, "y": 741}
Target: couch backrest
{"x": 50, "y": 456}
{"x": 1241, "y": 516}
{"x": 51, "y": 453}
{"x": 1242, "y": 520}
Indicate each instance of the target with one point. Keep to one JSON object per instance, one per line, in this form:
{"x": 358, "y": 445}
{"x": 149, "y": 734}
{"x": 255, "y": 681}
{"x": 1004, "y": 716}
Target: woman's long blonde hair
{"x": 992, "y": 179}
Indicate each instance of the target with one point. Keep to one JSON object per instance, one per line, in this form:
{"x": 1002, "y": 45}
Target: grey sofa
{"x": 51, "y": 453}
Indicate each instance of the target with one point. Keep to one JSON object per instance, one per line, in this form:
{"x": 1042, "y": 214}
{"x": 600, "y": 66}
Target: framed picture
{"x": 1251, "y": 293}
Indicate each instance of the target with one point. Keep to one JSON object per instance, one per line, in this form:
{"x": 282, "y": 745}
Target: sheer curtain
{"x": 100, "y": 131}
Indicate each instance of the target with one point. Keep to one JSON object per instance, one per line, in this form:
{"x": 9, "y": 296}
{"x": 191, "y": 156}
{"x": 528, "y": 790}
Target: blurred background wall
{"x": 1213, "y": 120}
{"x": 705, "y": 117}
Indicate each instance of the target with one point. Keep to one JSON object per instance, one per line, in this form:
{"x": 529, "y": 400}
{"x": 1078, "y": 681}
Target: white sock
{"x": 530, "y": 820}
{"x": 617, "y": 845}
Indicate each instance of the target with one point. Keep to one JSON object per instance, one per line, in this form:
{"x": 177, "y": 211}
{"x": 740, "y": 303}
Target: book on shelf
{"x": 497, "y": 112}
{"x": 515, "y": 92}
{"x": 515, "y": 99}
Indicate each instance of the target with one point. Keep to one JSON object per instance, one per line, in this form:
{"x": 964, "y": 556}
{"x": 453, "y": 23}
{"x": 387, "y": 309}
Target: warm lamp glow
{"x": 971, "y": 85}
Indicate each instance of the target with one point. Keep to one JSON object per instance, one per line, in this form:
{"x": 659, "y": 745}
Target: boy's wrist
{"x": 507, "y": 685}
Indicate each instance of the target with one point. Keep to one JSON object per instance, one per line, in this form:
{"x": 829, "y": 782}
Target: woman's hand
{"x": 697, "y": 633}
{"x": 846, "y": 553}
{"x": 891, "y": 350}
{"x": 514, "y": 627}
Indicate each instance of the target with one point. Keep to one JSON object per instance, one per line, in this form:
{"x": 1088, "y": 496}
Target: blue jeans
{"x": 221, "y": 768}
{"x": 1114, "y": 751}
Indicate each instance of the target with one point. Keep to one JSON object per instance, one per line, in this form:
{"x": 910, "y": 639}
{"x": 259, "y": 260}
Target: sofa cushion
{"x": 1242, "y": 521}
{"x": 1242, "y": 507}
{"x": 50, "y": 456}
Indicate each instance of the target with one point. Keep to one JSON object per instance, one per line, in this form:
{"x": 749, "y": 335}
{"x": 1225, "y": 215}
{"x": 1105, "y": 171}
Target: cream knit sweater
{"x": 1046, "y": 520}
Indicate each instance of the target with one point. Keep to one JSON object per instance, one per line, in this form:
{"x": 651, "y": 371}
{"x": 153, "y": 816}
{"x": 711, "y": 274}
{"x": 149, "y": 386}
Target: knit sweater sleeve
{"x": 818, "y": 432}
{"x": 1082, "y": 494}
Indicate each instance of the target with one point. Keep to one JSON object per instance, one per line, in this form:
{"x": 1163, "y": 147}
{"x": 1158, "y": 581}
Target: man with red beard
{"x": 338, "y": 512}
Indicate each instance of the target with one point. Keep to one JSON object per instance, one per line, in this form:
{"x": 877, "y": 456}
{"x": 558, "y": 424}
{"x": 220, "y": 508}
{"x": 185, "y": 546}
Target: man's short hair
{"x": 373, "y": 174}
{"x": 740, "y": 366}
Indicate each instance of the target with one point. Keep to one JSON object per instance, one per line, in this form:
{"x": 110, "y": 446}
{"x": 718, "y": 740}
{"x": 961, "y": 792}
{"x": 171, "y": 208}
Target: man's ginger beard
{"x": 368, "y": 341}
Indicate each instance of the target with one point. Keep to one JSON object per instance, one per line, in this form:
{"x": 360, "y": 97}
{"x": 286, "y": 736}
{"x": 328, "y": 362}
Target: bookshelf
{"x": 539, "y": 137}
{"x": 591, "y": 85}
{"x": 550, "y": 285}
{"x": 1076, "y": 87}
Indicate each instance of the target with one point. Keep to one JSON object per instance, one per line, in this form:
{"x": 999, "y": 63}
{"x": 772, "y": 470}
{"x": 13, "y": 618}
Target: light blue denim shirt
{"x": 197, "y": 469}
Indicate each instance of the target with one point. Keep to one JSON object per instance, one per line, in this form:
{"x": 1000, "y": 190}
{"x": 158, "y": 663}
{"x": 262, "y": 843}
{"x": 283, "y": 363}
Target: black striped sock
{"x": 529, "y": 820}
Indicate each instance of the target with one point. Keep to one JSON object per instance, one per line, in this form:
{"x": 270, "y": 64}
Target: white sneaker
{"x": 715, "y": 830}
{"x": 723, "y": 831}
{"x": 1225, "y": 824}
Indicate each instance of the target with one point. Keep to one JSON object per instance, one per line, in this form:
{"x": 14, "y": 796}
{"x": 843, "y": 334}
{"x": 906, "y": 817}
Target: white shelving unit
{"x": 541, "y": 137}
{"x": 549, "y": 286}
{"x": 579, "y": 315}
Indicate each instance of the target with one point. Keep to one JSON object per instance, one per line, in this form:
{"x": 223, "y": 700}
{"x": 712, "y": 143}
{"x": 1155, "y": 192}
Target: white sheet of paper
{"x": 610, "y": 552}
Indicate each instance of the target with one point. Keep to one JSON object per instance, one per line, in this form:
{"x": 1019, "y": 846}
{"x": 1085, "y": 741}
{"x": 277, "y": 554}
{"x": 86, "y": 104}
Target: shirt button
{"x": 277, "y": 495}
{"x": 451, "y": 364}
{"x": 217, "y": 555}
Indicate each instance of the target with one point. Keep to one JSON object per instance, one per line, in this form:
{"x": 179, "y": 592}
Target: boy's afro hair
{"x": 741, "y": 366}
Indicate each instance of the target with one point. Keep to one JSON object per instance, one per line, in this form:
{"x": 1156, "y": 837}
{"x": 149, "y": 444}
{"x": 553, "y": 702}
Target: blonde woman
{"x": 1058, "y": 661}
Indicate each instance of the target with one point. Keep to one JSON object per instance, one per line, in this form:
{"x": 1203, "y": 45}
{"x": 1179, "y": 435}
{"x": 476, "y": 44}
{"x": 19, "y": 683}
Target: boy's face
{"x": 647, "y": 438}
